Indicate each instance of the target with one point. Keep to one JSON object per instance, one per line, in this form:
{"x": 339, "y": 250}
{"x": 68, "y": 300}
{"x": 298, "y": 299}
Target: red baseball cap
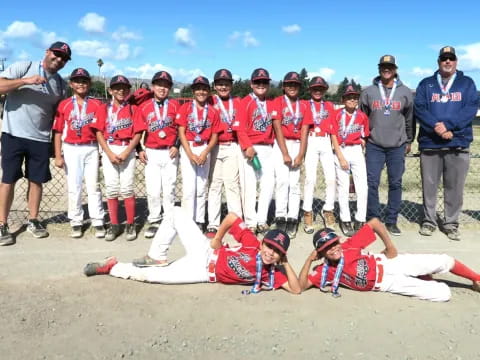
{"x": 278, "y": 239}
{"x": 324, "y": 238}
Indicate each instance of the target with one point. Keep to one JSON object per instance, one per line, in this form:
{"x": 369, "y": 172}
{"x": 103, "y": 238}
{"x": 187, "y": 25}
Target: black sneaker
{"x": 151, "y": 230}
{"x": 130, "y": 232}
{"x": 100, "y": 231}
{"x": 76, "y": 231}
{"x": 393, "y": 229}
{"x": 35, "y": 228}
{"x": 112, "y": 232}
{"x": 291, "y": 227}
{"x": 347, "y": 228}
{"x": 280, "y": 223}
{"x": 453, "y": 234}
{"x": 6, "y": 238}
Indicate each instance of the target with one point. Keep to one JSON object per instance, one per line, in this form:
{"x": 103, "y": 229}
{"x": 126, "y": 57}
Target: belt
{"x": 119, "y": 142}
{"x": 212, "y": 263}
{"x": 317, "y": 134}
{"x": 91, "y": 142}
{"x": 379, "y": 274}
{"x": 194, "y": 143}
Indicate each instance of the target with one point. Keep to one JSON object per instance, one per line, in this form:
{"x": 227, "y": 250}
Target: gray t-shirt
{"x": 30, "y": 109}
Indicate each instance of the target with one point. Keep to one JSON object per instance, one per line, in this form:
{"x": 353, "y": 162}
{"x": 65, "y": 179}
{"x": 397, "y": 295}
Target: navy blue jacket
{"x": 457, "y": 114}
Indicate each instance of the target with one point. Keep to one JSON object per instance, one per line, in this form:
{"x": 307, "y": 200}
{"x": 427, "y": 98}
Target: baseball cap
{"x": 350, "y": 90}
{"x": 260, "y": 74}
{"x": 387, "y": 60}
{"x": 292, "y": 77}
{"x": 162, "y": 75}
{"x": 80, "y": 73}
{"x": 223, "y": 74}
{"x": 61, "y": 47}
{"x": 318, "y": 81}
{"x": 323, "y": 238}
{"x": 447, "y": 50}
{"x": 278, "y": 239}
{"x": 119, "y": 79}
{"x": 200, "y": 80}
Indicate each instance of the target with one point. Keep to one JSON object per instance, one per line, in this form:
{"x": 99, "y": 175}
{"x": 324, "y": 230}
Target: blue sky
{"x": 329, "y": 38}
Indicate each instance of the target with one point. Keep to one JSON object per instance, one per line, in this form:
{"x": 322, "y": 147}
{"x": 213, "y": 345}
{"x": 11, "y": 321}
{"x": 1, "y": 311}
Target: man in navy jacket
{"x": 445, "y": 105}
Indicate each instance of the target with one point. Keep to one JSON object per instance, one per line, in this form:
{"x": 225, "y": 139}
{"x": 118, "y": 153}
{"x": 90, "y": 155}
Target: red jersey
{"x": 320, "y": 116}
{"x": 359, "y": 270}
{"x": 227, "y": 118}
{"x": 160, "y": 128}
{"x": 75, "y": 122}
{"x": 252, "y": 127}
{"x": 348, "y": 132}
{"x": 116, "y": 122}
{"x": 238, "y": 265}
{"x": 287, "y": 116}
{"x": 211, "y": 124}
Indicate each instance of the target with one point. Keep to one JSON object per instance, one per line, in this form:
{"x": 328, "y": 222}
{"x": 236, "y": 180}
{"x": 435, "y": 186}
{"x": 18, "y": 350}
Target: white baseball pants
{"x": 225, "y": 159}
{"x": 400, "y": 275}
{"x": 160, "y": 178}
{"x": 354, "y": 156}
{"x": 194, "y": 184}
{"x": 119, "y": 178}
{"x": 192, "y": 268}
{"x": 319, "y": 147}
{"x": 266, "y": 177}
{"x": 81, "y": 161}
{"x": 287, "y": 190}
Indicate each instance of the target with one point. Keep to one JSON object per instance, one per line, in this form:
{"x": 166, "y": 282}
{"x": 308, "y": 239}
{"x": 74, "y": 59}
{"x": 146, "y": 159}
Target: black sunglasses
{"x": 60, "y": 55}
{"x": 259, "y": 82}
{"x": 448, "y": 57}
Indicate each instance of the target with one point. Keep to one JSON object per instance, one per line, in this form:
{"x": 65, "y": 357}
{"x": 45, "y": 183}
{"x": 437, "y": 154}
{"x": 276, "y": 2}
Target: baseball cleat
{"x": 147, "y": 261}
{"x": 130, "y": 232}
{"x": 100, "y": 268}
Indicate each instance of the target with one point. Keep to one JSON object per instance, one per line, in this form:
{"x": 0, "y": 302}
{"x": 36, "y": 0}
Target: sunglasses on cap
{"x": 324, "y": 239}
{"x": 60, "y": 55}
{"x": 261, "y": 82}
{"x": 448, "y": 57}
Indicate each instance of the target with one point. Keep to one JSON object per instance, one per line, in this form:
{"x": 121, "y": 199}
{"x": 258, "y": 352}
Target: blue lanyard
{"x": 336, "y": 279}
{"x": 257, "y": 286}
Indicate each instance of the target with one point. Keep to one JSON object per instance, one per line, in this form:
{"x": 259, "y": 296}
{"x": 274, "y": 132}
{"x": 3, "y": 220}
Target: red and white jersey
{"x": 238, "y": 265}
{"x": 321, "y": 115}
{"x": 360, "y": 268}
{"x": 291, "y": 126}
{"x": 185, "y": 118}
{"x": 350, "y": 133}
{"x": 254, "y": 125}
{"x": 160, "y": 128}
{"x": 227, "y": 119}
{"x": 75, "y": 122}
{"x": 116, "y": 122}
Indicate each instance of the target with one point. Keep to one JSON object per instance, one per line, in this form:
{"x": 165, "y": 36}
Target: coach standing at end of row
{"x": 445, "y": 106}
{"x": 33, "y": 90}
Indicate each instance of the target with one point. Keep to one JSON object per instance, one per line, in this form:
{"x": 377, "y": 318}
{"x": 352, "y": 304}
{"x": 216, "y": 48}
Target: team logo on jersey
{"x": 234, "y": 264}
{"x": 78, "y": 124}
{"x": 259, "y": 123}
{"x": 380, "y": 105}
{"x": 362, "y": 271}
{"x": 120, "y": 124}
{"x": 454, "y": 96}
{"x": 287, "y": 117}
{"x": 191, "y": 124}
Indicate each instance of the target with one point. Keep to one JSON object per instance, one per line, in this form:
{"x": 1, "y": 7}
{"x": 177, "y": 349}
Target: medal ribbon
{"x": 41, "y": 72}
{"x": 112, "y": 117}
{"x": 79, "y": 114}
{"x": 317, "y": 117}
{"x": 387, "y": 100}
{"x": 228, "y": 115}
{"x": 199, "y": 125}
{"x": 296, "y": 116}
{"x": 156, "y": 107}
{"x": 446, "y": 89}
{"x": 336, "y": 279}
{"x": 261, "y": 105}
{"x": 345, "y": 128}
{"x": 257, "y": 286}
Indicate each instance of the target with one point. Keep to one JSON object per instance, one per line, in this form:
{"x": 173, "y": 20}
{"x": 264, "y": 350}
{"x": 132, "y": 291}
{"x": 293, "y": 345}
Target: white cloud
{"x": 418, "y": 71}
{"x": 21, "y": 29}
{"x": 183, "y": 37}
{"x": 146, "y": 71}
{"x": 123, "y": 34}
{"x": 122, "y": 52}
{"x": 325, "y": 73}
{"x": 23, "y": 55}
{"x": 5, "y": 50}
{"x": 91, "y": 48}
{"x": 246, "y": 37}
{"x": 93, "y": 23}
{"x": 291, "y": 29}
{"x": 470, "y": 59}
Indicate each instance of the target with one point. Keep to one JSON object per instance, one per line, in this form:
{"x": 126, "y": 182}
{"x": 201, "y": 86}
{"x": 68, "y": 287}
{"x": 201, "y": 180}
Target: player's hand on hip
{"x": 142, "y": 155}
{"x": 173, "y": 152}
{"x": 250, "y": 153}
{"x": 34, "y": 80}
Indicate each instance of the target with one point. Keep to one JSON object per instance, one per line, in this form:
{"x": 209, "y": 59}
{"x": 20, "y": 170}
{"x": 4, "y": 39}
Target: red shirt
{"x": 73, "y": 130}
{"x": 324, "y": 120}
{"x": 359, "y": 128}
{"x": 251, "y": 127}
{"x": 146, "y": 117}
{"x": 185, "y": 118}
{"x": 359, "y": 270}
{"x": 289, "y": 129}
{"x": 238, "y": 265}
{"x": 122, "y": 128}
{"x": 227, "y": 133}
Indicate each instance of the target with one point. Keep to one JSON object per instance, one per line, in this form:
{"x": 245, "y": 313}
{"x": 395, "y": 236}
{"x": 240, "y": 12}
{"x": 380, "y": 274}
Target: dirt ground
{"x": 50, "y": 310}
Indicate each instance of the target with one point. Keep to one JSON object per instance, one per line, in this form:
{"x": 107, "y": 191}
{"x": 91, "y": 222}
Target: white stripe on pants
{"x": 81, "y": 161}
{"x": 287, "y": 189}
{"x": 119, "y": 177}
{"x": 353, "y": 154}
{"x": 266, "y": 177}
{"x": 400, "y": 275}
{"x": 225, "y": 160}
{"x": 160, "y": 177}
{"x": 319, "y": 147}
{"x": 192, "y": 268}
{"x": 194, "y": 184}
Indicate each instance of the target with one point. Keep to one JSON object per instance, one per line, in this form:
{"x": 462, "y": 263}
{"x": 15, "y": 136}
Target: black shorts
{"x": 36, "y": 155}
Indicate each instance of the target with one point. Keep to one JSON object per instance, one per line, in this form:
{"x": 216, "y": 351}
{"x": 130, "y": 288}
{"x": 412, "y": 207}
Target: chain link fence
{"x": 53, "y": 208}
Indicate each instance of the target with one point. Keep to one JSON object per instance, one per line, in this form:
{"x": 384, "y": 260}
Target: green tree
{"x": 186, "y": 92}
{"x": 241, "y": 88}
{"x": 304, "y": 94}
